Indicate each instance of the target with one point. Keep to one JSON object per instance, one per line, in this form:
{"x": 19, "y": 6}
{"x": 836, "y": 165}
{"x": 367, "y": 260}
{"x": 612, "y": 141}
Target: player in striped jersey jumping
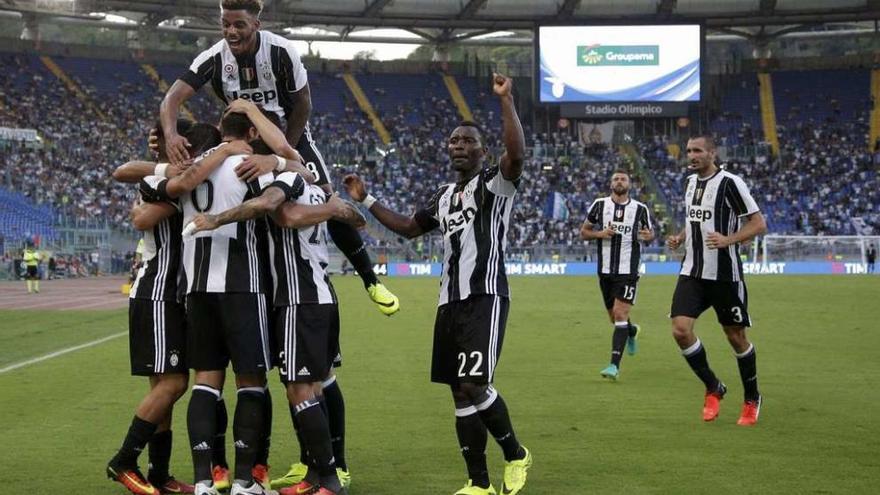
{"x": 259, "y": 66}
{"x": 720, "y": 214}
{"x": 622, "y": 222}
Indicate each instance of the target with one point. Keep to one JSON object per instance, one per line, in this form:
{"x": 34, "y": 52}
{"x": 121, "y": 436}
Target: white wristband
{"x": 368, "y": 201}
{"x": 160, "y": 169}
{"x": 282, "y": 163}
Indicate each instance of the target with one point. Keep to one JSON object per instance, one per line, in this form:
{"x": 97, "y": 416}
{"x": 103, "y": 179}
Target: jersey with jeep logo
{"x": 714, "y": 204}
{"x": 474, "y": 218}
{"x": 268, "y": 78}
{"x": 620, "y": 255}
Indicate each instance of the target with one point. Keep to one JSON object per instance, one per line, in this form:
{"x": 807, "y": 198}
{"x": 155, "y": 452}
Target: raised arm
{"x": 402, "y": 225}
{"x": 302, "y": 109}
{"x": 511, "y": 162}
{"x": 175, "y": 144}
{"x": 269, "y": 132}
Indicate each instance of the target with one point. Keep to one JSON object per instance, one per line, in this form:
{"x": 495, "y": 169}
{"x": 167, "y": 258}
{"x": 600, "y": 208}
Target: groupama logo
{"x": 598, "y": 55}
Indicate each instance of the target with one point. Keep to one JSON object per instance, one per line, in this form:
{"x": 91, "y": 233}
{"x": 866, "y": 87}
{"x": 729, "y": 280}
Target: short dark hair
{"x": 202, "y": 137}
{"x": 621, "y": 171}
{"x": 235, "y": 125}
{"x": 183, "y": 126}
{"x": 253, "y": 7}
{"x": 710, "y": 141}
{"x": 470, "y": 123}
{"x": 272, "y": 116}
{"x": 261, "y": 148}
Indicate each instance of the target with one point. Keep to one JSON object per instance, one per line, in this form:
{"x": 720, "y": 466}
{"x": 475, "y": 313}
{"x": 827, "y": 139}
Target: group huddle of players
{"x": 236, "y": 221}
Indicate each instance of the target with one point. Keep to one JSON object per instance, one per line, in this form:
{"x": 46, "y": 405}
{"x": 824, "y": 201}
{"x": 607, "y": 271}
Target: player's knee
{"x": 300, "y": 392}
{"x": 620, "y": 314}
{"x": 737, "y": 337}
{"x": 682, "y": 333}
{"x": 473, "y": 391}
{"x": 174, "y": 385}
{"x": 250, "y": 380}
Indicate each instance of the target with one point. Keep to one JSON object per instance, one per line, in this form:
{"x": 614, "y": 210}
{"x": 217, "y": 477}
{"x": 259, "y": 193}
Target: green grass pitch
{"x": 817, "y": 340}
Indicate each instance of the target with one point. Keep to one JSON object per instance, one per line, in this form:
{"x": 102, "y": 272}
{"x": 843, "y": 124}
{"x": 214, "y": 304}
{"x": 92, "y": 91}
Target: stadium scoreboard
{"x": 604, "y": 71}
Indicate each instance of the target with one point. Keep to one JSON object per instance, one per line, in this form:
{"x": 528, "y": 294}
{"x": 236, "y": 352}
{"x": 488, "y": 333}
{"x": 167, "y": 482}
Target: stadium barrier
{"x": 408, "y": 269}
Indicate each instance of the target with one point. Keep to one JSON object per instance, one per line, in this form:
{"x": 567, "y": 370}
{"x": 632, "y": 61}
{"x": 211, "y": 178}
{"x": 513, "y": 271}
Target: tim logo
{"x": 454, "y": 222}
{"x": 255, "y": 96}
{"x": 699, "y": 214}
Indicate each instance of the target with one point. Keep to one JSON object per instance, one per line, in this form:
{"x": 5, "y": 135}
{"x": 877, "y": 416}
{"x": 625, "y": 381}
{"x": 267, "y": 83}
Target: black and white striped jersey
{"x": 714, "y": 204}
{"x": 474, "y": 218}
{"x": 268, "y": 78}
{"x": 299, "y": 256}
{"x": 620, "y": 255}
{"x": 157, "y": 278}
{"x": 233, "y": 257}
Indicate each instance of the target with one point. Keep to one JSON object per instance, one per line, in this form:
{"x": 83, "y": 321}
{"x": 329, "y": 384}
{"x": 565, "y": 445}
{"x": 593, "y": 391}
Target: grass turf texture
{"x": 65, "y": 417}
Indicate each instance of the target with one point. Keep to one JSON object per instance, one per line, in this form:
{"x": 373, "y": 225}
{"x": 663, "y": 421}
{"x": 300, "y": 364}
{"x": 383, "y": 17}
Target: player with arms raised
{"x": 473, "y": 215}
{"x": 716, "y": 202}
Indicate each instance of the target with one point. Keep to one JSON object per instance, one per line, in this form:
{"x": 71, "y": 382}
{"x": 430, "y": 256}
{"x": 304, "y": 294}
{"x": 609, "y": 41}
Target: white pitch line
{"x": 60, "y": 353}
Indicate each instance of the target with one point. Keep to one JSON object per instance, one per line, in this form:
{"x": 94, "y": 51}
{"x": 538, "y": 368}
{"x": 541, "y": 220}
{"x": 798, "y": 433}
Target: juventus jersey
{"x": 268, "y": 78}
{"x": 714, "y": 204}
{"x": 157, "y": 277}
{"x": 299, "y": 256}
{"x": 474, "y": 218}
{"x": 620, "y": 255}
{"x": 232, "y": 257}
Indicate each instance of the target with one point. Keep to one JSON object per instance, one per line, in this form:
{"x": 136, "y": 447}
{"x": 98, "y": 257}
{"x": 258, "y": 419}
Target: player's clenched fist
{"x": 501, "y": 85}
{"x": 355, "y": 187}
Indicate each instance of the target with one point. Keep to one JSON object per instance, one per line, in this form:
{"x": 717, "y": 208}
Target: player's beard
{"x": 620, "y": 190}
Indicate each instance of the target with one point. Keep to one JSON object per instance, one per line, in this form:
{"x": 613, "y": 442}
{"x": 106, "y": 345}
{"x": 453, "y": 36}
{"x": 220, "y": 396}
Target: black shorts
{"x": 621, "y": 287}
{"x": 224, "y": 327}
{"x": 32, "y": 273}
{"x": 312, "y": 158}
{"x": 156, "y": 337}
{"x": 467, "y": 339}
{"x": 307, "y": 339}
{"x": 730, "y": 300}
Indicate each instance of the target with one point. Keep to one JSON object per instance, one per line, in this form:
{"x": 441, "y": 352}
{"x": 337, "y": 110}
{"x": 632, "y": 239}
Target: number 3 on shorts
{"x": 737, "y": 314}
{"x": 477, "y": 357}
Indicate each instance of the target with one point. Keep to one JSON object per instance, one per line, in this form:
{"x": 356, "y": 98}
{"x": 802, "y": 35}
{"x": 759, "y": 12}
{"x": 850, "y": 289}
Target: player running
{"x": 473, "y": 214}
{"x": 711, "y": 273}
{"x": 623, "y": 222}
{"x": 266, "y": 69}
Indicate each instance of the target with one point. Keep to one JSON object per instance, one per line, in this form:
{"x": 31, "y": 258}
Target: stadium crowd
{"x": 823, "y": 179}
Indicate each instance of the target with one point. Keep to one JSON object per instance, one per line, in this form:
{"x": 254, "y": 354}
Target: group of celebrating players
{"x": 236, "y": 221}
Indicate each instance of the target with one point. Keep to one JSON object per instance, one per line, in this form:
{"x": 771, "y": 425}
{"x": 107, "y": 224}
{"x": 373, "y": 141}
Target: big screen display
{"x": 639, "y": 63}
